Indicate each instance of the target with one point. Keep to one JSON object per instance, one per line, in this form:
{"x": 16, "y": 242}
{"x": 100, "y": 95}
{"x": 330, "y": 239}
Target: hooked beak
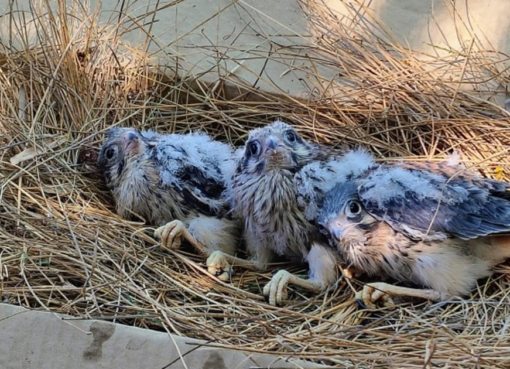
{"x": 129, "y": 140}
{"x": 335, "y": 230}
{"x": 274, "y": 147}
{"x": 271, "y": 143}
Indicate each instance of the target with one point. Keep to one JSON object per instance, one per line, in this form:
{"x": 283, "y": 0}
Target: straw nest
{"x": 63, "y": 249}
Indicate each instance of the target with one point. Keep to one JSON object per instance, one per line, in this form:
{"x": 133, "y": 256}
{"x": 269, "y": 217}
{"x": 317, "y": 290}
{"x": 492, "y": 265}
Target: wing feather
{"x": 196, "y": 167}
{"x": 425, "y": 202}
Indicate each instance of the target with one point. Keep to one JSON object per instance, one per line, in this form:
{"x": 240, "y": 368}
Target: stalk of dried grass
{"x": 64, "y": 249}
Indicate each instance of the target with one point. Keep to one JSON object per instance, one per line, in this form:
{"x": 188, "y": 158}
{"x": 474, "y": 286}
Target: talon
{"x": 359, "y": 300}
{"x": 370, "y": 294}
{"x": 364, "y": 298}
{"x": 218, "y": 266}
{"x": 387, "y": 301}
{"x": 170, "y": 234}
{"x": 276, "y": 288}
{"x": 224, "y": 274}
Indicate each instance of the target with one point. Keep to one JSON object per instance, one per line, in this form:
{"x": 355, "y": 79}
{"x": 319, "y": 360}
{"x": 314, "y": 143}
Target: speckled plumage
{"x": 167, "y": 177}
{"x": 428, "y": 224}
{"x": 265, "y": 192}
{"x": 275, "y": 193}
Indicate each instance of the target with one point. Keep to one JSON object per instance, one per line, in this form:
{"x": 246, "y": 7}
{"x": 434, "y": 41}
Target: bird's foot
{"x": 276, "y": 290}
{"x": 219, "y": 266}
{"x": 373, "y": 292}
{"x": 171, "y": 235}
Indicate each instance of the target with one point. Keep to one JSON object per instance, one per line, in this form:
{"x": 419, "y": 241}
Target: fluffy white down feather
{"x": 198, "y": 150}
{"x": 316, "y": 179}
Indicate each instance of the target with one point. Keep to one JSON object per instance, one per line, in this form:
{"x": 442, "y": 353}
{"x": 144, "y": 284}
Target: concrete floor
{"x": 42, "y": 340}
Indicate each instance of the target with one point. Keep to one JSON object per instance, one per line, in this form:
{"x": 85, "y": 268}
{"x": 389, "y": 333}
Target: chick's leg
{"x": 205, "y": 234}
{"x": 441, "y": 269}
{"x": 220, "y": 263}
{"x": 323, "y": 272}
{"x": 276, "y": 290}
{"x": 373, "y": 292}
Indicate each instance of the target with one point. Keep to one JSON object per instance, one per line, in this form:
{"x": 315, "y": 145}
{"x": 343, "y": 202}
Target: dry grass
{"x": 63, "y": 248}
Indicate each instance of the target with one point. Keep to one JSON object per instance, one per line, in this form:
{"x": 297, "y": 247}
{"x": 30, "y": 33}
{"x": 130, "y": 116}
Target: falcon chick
{"x": 276, "y": 190}
{"x": 175, "y": 181}
{"x": 428, "y": 224}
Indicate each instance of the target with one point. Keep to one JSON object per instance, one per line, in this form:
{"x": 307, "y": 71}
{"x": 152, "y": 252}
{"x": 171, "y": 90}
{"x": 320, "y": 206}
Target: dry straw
{"x": 65, "y": 78}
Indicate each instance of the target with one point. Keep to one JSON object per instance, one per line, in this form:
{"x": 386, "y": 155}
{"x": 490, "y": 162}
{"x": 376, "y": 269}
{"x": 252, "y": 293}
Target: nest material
{"x": 64, "y": 249}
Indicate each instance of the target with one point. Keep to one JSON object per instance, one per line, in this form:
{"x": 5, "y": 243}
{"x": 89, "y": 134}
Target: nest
{"x": 65, "y": 250}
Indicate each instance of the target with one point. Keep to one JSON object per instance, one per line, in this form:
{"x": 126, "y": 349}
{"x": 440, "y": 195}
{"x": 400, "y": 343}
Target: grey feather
{"x": 430, "y": 201}
{"x": 423, "y": 223}
{"x": 430, "y": 205}
{"x": 162, "y": 177}
{"x": 314, "y": 180}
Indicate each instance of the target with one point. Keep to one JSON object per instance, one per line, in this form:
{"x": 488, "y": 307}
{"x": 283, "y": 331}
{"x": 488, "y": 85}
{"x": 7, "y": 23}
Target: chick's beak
{"x": 272, "y": 143}
{"x": 273, "y": 147}
{"x": 335, "y": 230}
{"x": 129, "y": 140}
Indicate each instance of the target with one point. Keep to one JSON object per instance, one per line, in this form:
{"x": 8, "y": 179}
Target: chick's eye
{"x": 254, "y": 148}
{"x": 109, "y": 153}
{"x": 354, "y": 208}
{"x": 323, "y": 230}
{"x": 291, "y": 136}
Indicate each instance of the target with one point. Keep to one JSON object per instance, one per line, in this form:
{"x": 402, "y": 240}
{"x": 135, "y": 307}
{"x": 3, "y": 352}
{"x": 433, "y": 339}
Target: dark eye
{"x": 291, "y": 136}
{"x": 323, "y": 230}
{"x": 254, "y": 148}
{"x": 354, "y": 208}
{"x": 109, "y": 153}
